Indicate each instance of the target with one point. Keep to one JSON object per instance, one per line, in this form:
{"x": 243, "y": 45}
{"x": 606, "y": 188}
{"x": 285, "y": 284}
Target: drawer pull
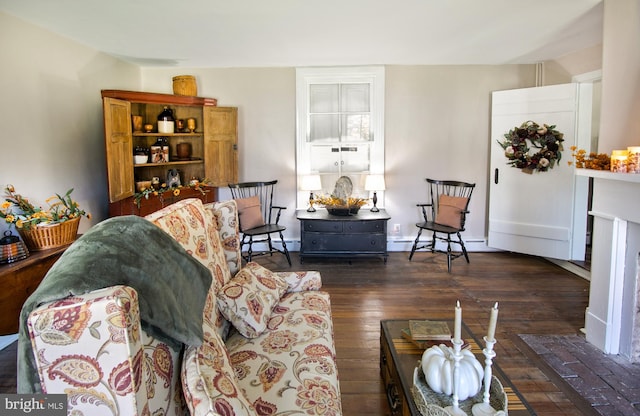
{"x": 393, "y": 398}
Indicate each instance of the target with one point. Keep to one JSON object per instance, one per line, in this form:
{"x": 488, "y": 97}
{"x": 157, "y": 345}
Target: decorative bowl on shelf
{"x": 140, "y": 159}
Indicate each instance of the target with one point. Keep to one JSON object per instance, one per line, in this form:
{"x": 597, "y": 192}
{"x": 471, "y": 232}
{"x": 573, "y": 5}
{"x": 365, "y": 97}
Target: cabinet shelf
{"x": 195, "y": 135}
{"x": 177, "y": 162}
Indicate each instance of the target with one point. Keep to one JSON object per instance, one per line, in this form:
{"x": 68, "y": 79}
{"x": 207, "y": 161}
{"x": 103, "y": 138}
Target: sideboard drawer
{"x": 323, "y": 226}
{"x": 365, "y": 226}
{"x": 351, "y": 243}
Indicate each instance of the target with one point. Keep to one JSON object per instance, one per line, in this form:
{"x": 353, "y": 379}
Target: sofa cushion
{"x": 291, "y": 368}
{"x": 247, "y": 300}
{"x": 209, "y": 383}
{"x": 249, "y": 212}
{"x": 225, "y": 214}
{"x": 195, "y": 229}
{"x": 450, "y": 210}
{"x": 301, "y": 280}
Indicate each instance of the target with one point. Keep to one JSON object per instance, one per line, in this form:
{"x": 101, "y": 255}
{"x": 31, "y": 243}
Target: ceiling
{"x": 268, "y": 33}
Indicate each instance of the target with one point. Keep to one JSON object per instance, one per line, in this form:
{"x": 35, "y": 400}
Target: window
{"x": 340, "y": 126}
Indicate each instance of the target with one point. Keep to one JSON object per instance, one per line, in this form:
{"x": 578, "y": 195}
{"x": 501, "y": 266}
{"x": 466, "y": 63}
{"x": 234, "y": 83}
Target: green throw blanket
{"x": 172, "y": 286}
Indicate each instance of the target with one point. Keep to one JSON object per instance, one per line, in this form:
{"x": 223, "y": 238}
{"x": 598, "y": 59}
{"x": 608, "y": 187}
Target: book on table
{"x": 406, "y": 334}
{"x": 424, "y": 330}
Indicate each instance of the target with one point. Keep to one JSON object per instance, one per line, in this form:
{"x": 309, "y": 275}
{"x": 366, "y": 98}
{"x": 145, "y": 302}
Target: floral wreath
{"x": 545, "y": 138}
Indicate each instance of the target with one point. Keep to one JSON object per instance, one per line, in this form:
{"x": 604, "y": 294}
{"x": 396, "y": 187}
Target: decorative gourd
{"x": 437, "y": 365}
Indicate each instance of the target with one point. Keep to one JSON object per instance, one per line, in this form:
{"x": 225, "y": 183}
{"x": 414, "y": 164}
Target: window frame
{"x": 373, "y": 75}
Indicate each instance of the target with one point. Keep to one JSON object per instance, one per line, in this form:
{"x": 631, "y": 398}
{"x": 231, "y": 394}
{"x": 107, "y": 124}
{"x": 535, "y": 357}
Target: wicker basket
{"x": 185, "y": 85}
{"x": 50, "y": 236}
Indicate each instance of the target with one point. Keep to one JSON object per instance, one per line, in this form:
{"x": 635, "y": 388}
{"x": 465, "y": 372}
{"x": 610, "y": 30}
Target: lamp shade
{"x": 310, "y": 183}
{"x": 374, "y": 183}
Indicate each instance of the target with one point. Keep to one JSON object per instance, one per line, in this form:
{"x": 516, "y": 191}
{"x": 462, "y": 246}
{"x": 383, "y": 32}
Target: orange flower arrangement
{"x": 596, "y": 161}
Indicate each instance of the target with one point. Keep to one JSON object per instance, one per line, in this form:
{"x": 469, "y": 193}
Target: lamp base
{"x": 311, "y": 208}
{"x": 375, "y": 201}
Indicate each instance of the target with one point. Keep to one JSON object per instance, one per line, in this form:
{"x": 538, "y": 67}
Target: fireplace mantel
{"x": 604, "y": 174}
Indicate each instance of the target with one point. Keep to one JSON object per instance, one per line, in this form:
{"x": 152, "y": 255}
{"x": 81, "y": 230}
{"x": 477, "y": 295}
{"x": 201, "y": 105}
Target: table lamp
{"x": 311, "y": 183}
{"x": 374, "y": 183}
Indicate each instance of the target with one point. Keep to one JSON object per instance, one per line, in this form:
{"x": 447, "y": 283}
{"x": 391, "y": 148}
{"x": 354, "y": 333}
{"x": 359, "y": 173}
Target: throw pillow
{"x": 249, "y": 213}
{"x": 449, "y": 210}
{"x": 249, "y": 297}
{"x": 209, "y": 383}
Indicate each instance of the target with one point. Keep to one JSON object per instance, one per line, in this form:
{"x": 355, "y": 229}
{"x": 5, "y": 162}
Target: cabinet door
{"x": 221, "y": 145}
{"x": 119, "y": 148}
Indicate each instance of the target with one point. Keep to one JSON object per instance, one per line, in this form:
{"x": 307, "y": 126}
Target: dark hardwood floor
{"x": 534, "y": 295}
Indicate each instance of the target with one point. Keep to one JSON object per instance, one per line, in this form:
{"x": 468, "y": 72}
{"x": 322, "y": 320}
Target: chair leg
{"x": 433, "y": 242}
{"x": 464, "y": 249}
{"x": 284, "y": 248}
{"x": 250, "y": 251}
{"x": 270, "y": 245}
{"x": 242, "y": 244}
{"x": 415, "y": 244}
{"x": 449, "y": 259}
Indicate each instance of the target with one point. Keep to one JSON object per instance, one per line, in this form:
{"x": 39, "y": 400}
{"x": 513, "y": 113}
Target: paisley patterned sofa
{"x": 267, "y": 345}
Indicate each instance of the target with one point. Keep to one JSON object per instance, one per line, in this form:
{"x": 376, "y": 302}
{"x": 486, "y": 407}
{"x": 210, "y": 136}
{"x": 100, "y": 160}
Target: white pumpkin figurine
{"x": 437, "y": 365}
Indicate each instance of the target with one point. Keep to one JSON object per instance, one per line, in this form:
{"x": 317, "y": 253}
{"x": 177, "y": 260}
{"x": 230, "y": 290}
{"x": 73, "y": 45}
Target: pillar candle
{"x": 457, "y": 324}
{"x": 492, "y": 323}
{"x": 619, "y": 161}
{"x": 633, "y": 165}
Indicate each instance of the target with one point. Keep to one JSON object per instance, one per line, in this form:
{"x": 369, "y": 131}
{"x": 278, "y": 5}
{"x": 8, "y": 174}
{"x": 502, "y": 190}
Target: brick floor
{"x": 611, "y": 384}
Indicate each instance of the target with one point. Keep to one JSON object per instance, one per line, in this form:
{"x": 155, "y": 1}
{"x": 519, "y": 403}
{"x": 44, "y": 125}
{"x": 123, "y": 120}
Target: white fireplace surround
{"x": 612, "y": 323}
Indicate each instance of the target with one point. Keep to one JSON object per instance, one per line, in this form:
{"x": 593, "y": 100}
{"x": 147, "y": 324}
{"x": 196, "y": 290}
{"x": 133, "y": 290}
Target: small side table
{"x": 19, "y": 280}
{"x": 326, "y": 235}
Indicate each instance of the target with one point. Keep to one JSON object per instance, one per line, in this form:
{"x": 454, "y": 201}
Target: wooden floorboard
{"x": 535, "y": 297}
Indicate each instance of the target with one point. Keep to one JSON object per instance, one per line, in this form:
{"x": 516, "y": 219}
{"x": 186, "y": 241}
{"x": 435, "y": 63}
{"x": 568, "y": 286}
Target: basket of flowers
{"x": 39, "y": 228}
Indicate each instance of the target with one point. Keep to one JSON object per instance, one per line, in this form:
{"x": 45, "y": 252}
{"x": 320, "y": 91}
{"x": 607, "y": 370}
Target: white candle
{"x": 457, "y": 324}
{"x": 492, "y": 323}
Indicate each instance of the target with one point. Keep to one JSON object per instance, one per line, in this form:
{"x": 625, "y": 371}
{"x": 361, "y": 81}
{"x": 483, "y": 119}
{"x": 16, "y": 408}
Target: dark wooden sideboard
{"x": 19, "y": 280}
{"x": 326, "y": 235}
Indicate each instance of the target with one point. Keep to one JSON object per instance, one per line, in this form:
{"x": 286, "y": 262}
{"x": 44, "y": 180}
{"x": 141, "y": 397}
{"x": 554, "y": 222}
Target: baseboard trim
{"x": 393, "y": 244}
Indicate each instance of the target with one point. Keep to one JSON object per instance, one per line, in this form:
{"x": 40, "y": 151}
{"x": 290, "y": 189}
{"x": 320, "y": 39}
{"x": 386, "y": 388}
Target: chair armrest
{"x": 100, "y": 332}
{"x": 279, "y": 208}
{"x": 301, "y": 281}
{"x": 424, "y": 211}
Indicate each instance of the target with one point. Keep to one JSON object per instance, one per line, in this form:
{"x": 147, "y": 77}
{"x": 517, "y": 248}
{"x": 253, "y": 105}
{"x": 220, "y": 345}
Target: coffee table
{"x": 399, "y": 357}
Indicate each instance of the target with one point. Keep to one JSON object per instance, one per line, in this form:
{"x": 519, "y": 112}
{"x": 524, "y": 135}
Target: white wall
{"x": 620, "y": 118}
{"x": 437, "y": 124}
{"x": 51, "y": 115}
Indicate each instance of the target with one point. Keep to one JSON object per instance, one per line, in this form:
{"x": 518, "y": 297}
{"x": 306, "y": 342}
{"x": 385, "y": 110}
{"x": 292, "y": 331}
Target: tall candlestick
{"x": 492, "y": 323}
{"x": 457, "y": 324}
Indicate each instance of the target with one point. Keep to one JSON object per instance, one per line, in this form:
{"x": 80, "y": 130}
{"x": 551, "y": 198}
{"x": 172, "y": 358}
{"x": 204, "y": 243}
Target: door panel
{"x": 221, "y": 145}
{"x": 118, "y": 148}
{"x": 534, "y": 213}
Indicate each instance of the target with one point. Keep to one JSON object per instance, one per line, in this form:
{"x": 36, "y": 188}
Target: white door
{"x": 543, "y": 213}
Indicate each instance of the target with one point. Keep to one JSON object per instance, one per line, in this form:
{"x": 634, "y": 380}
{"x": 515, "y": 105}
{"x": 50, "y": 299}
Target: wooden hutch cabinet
{"x": 214, "y": 147}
